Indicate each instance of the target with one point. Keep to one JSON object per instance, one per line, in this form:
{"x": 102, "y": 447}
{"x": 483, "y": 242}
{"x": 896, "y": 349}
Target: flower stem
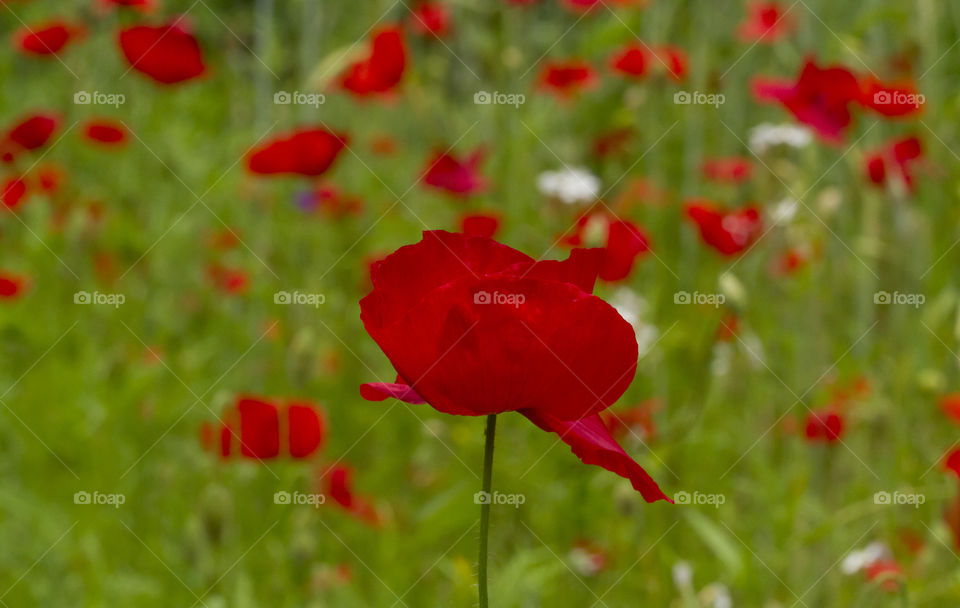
{"x": 485, "y": 506}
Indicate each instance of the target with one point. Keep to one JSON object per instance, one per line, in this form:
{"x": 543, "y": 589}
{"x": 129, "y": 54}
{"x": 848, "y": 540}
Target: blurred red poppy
{"x": 790, "y": 261}
{"x": 766, "y": 22}
{"x": 634, "y": 421}
{"x": 728, "y": 231}
{"x": 820, "y": 98}
{"x": 891, "y": 100}
{"x": 265, "y": 429}
{"x": 169, "y": 53}
{"x": 630, "y": 60}
{"x": 232, "y": 281}
{"x": 898, "y": 156}
{"x": 33, "y": 131}
{"x": 430, "y": 19}
{"x": 732, "y": 170}
{"x": 674, "y": 60}
{"x": 12, "y": 192}
{"x": 474, "y": 328}
{"x": 106, "y": 132}
{"x": 46, "y": 38}
{"x": 951, "y": 463}
{"x": 826, "y": 426}
{"x": 480, "y": 224}
{"x": 622, "y": 243}
{"x": 12, "y": 286}
{"x": 337, "y": 483}
{"x": 950, "y": 406}
{"x": 381, "y": 71}
{"x": 306, "y": 151}
{"x": 567, "y": 78}
{"x": 141, "y": 5}
{"x": 458, "y": 177}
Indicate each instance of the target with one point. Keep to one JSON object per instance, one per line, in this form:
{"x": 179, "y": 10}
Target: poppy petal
{"x": 592, "y": 443}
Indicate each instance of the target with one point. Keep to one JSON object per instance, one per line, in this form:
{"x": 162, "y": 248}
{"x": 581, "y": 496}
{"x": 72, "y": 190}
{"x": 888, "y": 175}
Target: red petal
{"x": 307, "y": 152}
{"x": 379, "y": 391}
{"x": 259, "y": 428}
{"x": 306, "y": 430}
{"x": 167, "y": 53}
{"x": 592, "y": 443}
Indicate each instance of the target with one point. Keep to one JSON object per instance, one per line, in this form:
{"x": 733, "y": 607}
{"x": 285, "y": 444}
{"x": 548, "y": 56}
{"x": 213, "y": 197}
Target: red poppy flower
{"x": 950, "y": 406}
{"x": 952, "y": 462}
{"x": 106, "y": 132}
{"x": 675, "y": 62}
{"x": 567, "y": 78}
{"x": 729, "y": 232}
{"x": 381, "y": 71}
{"x": 474, "y": 328}
{"x": 33, "y": 131}
{"x": 458, "y": 177}
{"x": 899, "y": 155}
{"x": 49, "y": 178}
{"x": 258, "y": 425}
{"x": 12, "y": 192}
{"x": 309, "y": 152}
{"x": 820, "y": 98}
{"x": 766, "y": 22}
{"x": 792, "y": 260}
{"x": 636, "y": 421}
{"x": 891, "y": 100}
{"x": 430, "y": 19}
{"x": 12, "y": 286}
{"x": 727, "y": 170}
{"x": 229, "y": 280}
{"x": 622, "y": 243}
{"x": 337, "y": 483}
{"x": 826, "y": 426}
{"x": 630, "y": 60}
{"x": 480, "y": 224}
{"x": 886, "y": 572}
{"x": 45, "y": 39}
{"x": 169, "y": 53}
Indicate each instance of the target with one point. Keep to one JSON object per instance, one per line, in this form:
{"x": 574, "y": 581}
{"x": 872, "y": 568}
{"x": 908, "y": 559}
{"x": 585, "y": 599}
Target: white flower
{"x": 861, "y": 558}
{"x": 632, "y": 307}
{"x": 682, "y": 575}
{"x": 570, "y": 185}
{"x": 784, "y": 211}
{"x": 765, "y": 136}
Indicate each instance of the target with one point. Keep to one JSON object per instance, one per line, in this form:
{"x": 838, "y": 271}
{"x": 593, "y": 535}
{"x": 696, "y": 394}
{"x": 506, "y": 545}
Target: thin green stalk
{"x": 485, "y": 501}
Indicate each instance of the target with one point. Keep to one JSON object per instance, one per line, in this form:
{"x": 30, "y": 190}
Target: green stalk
{"x": 485, "y": 507}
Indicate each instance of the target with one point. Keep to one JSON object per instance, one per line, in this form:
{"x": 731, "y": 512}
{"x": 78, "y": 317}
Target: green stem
{"x": 485, "y": 506}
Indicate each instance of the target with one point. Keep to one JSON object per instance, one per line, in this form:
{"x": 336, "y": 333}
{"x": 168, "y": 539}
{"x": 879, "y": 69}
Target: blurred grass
{"x": 93, "y": 413}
